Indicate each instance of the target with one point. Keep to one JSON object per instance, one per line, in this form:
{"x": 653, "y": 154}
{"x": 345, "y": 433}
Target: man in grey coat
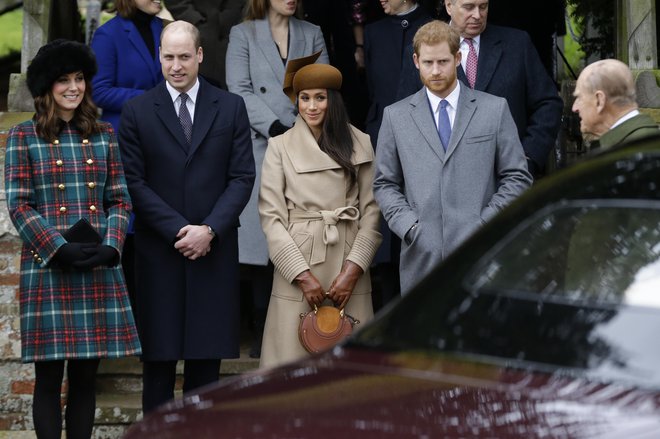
{"x": 448, "y": 158}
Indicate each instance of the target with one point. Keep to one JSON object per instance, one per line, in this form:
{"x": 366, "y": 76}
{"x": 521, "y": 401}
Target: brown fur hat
{"x": 57, "y": 58}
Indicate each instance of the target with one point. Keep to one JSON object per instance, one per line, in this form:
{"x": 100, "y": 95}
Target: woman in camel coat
{"x": 318, "y": 213}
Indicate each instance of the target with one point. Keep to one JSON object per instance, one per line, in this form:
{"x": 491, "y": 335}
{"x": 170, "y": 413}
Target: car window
{"x": 582, "y": 280}
{"x": 572, "y": 288}
{"x": 589, "y": 252}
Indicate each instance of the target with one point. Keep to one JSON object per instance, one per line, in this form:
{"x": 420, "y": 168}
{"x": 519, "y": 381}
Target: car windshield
{"x": 576, "y": 286}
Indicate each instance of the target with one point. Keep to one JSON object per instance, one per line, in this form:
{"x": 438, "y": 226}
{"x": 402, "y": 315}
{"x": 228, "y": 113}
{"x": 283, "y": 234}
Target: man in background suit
{"x": 189, "y": 167}
{"x": 509, "y": 66}
{"x": 606, "y": 101}
{"x": 440, "y": 175}
{"x": 214, "y": 19}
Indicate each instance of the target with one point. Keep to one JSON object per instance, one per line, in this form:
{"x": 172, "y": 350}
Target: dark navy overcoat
{"x": 187, "y": 309}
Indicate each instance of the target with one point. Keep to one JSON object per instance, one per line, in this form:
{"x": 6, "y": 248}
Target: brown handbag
{"x": 323, "y": 327}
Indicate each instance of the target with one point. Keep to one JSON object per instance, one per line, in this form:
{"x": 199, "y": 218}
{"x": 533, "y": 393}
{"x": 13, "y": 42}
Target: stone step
{"x": 133, "y": 366}
{"x": 124, "y": 375}
{"x": 118, "y": 408}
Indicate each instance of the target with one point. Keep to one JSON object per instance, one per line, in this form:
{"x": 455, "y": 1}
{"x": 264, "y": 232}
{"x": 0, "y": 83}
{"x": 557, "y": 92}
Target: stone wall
{"x": 16, "y": 379}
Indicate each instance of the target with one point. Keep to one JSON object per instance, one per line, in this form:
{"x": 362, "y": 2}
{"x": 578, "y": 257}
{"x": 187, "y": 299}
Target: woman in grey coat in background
{"x": 259, "y": 49}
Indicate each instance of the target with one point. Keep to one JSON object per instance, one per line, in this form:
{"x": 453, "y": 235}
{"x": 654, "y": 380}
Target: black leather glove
{"x": 70, "y": 253}
{"x": 277, "y": 128}
{"x": 97, "y": 256}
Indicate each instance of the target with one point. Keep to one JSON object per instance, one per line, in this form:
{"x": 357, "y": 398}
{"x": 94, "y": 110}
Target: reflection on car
{"x": 544, "y": 324}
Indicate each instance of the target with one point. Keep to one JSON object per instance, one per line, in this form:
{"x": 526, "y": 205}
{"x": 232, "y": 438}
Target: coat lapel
{"x": 421, "y": 115}
{"x": 138, "y": 44}
{"x": 304, "y": 152}
{"x": 466, "y": 108}
{"x": 490, "y": 54}
{"x": 206, "y": 109}
{"x": 296, "y": 40}
{"x": 268, "y": 48}
{"x": 164, "y": 109}
{"x": 156, "y": 30}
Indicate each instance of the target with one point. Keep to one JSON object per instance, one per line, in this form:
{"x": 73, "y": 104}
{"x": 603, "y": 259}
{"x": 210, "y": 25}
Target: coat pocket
{"x": 479, "y": 139}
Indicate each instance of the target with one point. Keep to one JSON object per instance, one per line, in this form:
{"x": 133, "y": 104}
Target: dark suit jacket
{"x": 509, "y": 67}
{"x": 187, "y": 309}
{"x": 384, "y": 45}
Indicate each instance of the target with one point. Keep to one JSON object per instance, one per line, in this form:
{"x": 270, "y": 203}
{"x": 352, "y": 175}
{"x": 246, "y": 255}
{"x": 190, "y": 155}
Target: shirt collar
{"x": 452, "y": 97}
{"x": 475, "y": 41}
{"x": 625, "y": 118}
{"x": 192, "y": 93}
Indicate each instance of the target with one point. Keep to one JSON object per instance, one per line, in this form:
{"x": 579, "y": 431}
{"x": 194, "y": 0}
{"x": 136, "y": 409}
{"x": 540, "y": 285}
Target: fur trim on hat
{"x": 58, "y": 58}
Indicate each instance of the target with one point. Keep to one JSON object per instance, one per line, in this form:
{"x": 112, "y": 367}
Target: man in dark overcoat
{"x": 189, "y": 167}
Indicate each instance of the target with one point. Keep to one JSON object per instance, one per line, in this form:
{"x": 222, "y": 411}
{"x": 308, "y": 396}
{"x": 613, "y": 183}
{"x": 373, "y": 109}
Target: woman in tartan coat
{"x": 62, "y": 166}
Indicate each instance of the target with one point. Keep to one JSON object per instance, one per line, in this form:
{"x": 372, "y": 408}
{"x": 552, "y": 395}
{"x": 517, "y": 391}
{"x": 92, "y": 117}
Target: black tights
{"x": 80, "y": 401}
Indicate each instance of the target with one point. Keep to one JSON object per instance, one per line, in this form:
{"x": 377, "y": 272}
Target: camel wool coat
{"x": 313, "y": 219}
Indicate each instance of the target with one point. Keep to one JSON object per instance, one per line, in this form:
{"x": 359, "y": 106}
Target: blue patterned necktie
{"x": 444, "y": 127}
{"x": 184, "y": 118}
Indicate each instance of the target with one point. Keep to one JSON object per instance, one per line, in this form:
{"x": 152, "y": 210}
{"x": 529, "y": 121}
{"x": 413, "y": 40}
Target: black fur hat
{"x": 57, "y": 58}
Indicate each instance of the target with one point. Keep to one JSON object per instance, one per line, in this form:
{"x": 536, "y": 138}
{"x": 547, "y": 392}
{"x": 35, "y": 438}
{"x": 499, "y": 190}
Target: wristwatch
{"x": 210, "y": 230}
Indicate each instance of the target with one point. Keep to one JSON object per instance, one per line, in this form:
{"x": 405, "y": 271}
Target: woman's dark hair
{"x": 125, "y": 8}
{"x": 84, "y": 117}
{"x": 336, "y": 139}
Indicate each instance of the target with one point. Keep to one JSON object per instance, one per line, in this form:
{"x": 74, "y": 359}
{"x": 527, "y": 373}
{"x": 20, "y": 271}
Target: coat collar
{"x": 140, "y": 47}
{"x": 206, "y": 109}
{"x": 423, "y": 118}
{"x": 620, "y": 133}
{"x": 306, "y": 156}
{"x": 297, "y": 46}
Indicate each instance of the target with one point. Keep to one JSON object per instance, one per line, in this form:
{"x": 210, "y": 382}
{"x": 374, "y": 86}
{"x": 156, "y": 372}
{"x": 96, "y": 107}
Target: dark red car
{"x": 545, "y": 324}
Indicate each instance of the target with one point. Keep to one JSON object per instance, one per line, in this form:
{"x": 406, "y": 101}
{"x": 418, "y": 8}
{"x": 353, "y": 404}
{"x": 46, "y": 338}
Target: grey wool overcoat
{"x": 255, "y": 71}
{"x": 448, "y": 194}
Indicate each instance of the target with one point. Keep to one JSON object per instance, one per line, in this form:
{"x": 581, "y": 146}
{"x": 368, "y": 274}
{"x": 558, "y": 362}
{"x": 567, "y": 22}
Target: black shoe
{"x": 255, "y": 350}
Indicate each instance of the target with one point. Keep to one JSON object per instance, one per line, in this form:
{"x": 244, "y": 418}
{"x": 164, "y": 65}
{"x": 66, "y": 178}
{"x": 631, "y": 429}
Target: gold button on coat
{"x": 59, "y": 163}
{"x": 63, "y": 209}
{"x": 39, "y": 260}
{"x": 91, "y": 185}
{"x": 90, "y": 161}
{"x": 60, "y": 186}
{"x": 92, "y": 208}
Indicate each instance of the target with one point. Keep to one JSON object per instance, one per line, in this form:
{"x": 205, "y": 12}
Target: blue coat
{"x": 126, "y": 68}
{"x": 187, "y": 309}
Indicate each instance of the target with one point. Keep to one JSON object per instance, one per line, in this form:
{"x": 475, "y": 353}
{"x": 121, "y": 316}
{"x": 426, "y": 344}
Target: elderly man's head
{"x": 605, "y": 91}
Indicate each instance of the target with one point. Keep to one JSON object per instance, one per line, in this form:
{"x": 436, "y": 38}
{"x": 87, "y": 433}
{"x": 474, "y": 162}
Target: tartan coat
{"x": 49, "y": 187}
